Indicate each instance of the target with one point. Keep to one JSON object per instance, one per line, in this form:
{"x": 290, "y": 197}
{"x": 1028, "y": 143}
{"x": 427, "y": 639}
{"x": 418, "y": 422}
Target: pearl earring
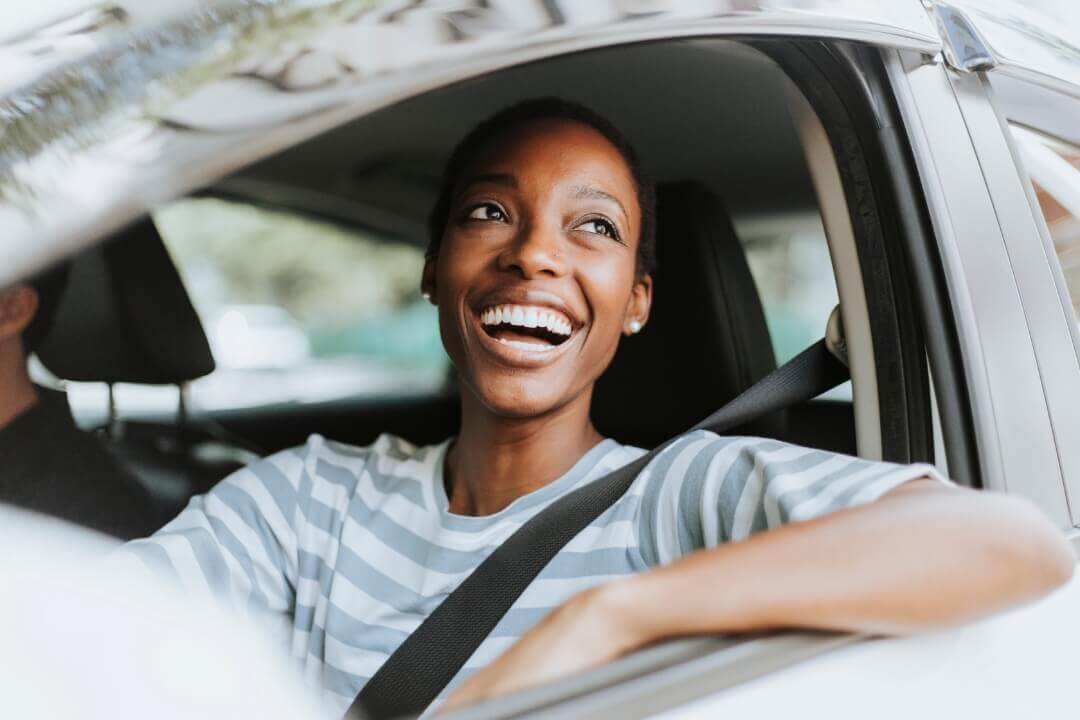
{"x": 635, "y": 327}
{"x": 426, "y": 296}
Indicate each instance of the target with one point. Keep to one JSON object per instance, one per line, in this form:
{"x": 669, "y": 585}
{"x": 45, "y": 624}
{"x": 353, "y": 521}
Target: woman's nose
{"x": 535, "y": 251}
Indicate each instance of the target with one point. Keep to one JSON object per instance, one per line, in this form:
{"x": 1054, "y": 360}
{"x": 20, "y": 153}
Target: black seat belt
{"x": 414, "y": 675}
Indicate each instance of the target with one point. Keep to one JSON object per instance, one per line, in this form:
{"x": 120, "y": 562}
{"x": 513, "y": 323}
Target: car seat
{"x": 706, "y": 339}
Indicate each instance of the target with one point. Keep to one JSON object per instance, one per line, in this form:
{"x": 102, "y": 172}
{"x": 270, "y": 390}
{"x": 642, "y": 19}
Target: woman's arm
{"x": 923, "y": 556}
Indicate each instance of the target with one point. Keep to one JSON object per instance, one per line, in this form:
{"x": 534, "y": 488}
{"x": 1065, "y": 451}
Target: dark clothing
{"x": 47, "y": 464}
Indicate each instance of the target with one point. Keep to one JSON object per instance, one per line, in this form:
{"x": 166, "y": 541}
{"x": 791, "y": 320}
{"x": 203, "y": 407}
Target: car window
{"x": 296, "y": 310}
{"x": 1054, "y": 168}
{"x": 794, "y": 277}
{"x": 793, "y": 272}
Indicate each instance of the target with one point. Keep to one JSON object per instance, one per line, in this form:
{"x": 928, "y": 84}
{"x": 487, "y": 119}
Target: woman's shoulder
{"x": 321, "y": 459}
{"x": 694, "y": 452}
{"x": 386, "y": 448}
{"x": 700, "y": 439}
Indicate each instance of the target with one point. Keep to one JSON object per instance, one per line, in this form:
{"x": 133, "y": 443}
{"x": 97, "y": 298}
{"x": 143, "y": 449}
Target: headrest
{"x": 706, "y": 340}
{"x": 126, "y": 317}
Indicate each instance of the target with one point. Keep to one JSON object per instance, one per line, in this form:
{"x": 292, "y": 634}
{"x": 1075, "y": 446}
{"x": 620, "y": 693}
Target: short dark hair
{"x": 530, "y": 111}
{"x": 49, "y": 286}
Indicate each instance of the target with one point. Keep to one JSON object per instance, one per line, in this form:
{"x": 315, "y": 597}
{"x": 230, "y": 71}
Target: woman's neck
{"x": 496, "y": 460}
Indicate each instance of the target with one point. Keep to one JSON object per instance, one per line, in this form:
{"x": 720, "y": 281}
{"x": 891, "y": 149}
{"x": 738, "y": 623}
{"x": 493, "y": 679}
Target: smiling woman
{"x": 552, "y": 225}
{"x": 540, "y": 263}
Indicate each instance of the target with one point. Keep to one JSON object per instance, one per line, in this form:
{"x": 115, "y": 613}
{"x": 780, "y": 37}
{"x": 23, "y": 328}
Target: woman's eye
{"x": 487, "y": 211}
{"x": 599, "y": 227}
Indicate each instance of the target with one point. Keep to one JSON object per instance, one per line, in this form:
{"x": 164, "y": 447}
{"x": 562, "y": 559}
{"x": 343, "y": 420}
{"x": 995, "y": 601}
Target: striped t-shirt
{"x": 350, "y": 548}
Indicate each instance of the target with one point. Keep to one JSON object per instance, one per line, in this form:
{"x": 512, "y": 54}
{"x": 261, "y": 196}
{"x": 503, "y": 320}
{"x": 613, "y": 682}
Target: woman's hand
{"x": 590, "y": 629}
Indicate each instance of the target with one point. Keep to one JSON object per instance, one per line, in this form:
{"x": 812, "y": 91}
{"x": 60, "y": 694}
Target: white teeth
{"x": 531, "y": 317}
{"x": 531, "y": 347}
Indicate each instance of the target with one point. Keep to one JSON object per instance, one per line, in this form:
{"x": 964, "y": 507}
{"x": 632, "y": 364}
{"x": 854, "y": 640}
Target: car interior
{"x": 741, "y": 159}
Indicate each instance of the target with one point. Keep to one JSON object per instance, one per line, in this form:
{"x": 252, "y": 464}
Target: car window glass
{"x": 1054, "y": 168}
{"x": 295, "y": 309}
{"x": 793, "y": 271}
{"x": 794, "y": 278}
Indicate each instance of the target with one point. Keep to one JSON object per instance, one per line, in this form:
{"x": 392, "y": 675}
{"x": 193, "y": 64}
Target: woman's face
{"x": 536, "y": 275}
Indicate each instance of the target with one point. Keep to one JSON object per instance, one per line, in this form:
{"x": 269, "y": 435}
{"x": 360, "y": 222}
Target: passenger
{"x": 540, "y": 260}
{"x": 46, "y": 463}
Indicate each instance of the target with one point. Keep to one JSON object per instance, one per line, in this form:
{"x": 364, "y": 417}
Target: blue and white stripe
{"x": 352, "y": 548}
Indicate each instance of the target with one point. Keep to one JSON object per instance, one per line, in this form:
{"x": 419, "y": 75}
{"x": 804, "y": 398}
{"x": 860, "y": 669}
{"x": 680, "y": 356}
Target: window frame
{"x": 1008, "y": 315}
{"x": 661, "y": 677}
{"x": 1040, "y": 221}
{"x": 838, "y": 80}
{"x": 1040, "y": 218}
{"x": 1044, "y": 294}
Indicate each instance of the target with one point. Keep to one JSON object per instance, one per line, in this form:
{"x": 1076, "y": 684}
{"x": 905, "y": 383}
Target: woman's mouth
{"x": 526, "y": 328}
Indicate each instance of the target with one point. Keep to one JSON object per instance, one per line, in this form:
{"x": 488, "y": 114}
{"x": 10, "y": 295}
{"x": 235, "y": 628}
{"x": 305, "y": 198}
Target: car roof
{"x": 121, "y": 107}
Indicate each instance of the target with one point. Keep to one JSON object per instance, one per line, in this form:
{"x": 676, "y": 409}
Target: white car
{"x": 913, "y": 163}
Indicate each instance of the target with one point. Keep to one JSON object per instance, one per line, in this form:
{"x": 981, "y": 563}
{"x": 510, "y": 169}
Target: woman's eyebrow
{"x": 591, "y": 192}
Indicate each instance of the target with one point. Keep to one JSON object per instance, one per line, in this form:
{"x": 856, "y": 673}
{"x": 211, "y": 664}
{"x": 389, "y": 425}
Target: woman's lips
{"x": 519, "y": 351}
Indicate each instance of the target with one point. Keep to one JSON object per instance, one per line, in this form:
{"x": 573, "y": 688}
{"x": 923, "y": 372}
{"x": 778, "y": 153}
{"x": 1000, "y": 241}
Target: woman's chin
{"x": 521, "y": 399}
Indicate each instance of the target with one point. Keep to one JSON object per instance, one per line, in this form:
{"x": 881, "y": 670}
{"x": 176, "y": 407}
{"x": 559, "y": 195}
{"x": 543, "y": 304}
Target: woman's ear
{"x": 18, "y": 305}
{"x": 637, "y": 312}
{"x": 427, "y": 281}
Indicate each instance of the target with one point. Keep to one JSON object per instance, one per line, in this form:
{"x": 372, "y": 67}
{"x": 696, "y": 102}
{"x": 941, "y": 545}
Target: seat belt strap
{"x": 414, "y": 675}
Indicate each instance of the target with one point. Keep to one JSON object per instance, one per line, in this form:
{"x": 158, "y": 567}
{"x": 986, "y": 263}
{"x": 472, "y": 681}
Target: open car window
{"x": 300, "y": 310}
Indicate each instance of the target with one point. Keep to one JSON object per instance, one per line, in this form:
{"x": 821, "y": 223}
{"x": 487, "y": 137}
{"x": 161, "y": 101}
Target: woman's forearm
{"x": 921, "y": 557}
